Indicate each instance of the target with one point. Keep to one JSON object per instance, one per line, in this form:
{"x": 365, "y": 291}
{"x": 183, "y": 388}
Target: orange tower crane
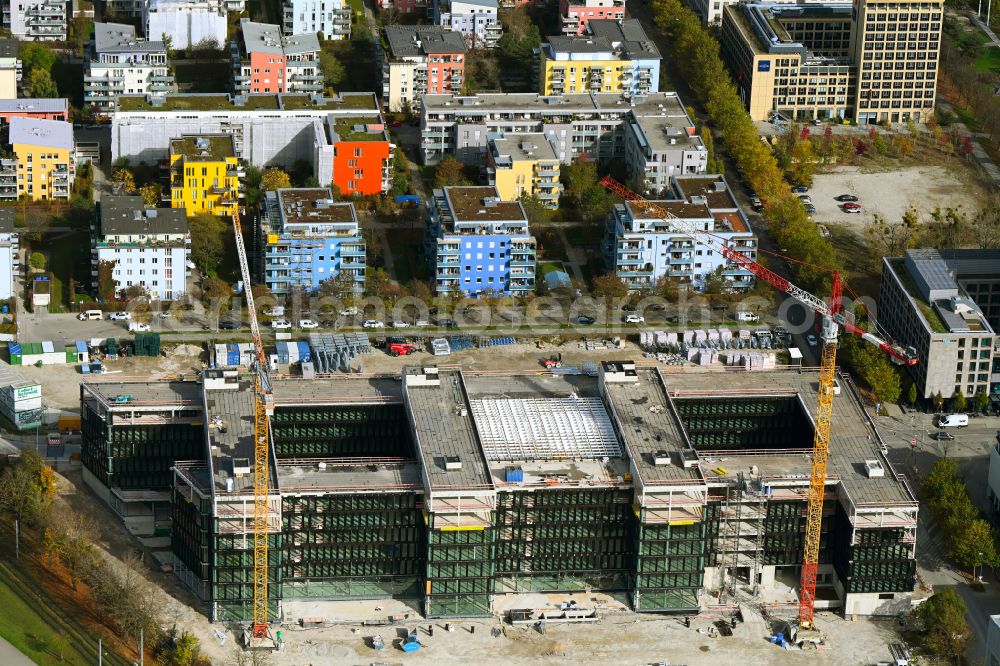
{"x": 833, "y": 319}
{"x": 263, "y": 411}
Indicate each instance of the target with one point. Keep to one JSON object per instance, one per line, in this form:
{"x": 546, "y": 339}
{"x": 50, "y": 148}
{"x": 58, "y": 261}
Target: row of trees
{"x": 66, "y": 538}
{"x": 970, "y": 540}
{"x": 696, "y": 54}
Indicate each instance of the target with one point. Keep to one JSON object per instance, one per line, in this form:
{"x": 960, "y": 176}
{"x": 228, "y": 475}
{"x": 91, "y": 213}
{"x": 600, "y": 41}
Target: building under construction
{"x": 670, "y": 491}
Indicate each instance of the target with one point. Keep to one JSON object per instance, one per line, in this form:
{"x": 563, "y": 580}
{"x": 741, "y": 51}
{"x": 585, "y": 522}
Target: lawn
{"x": 989, "y": 61}
{"x": 547, "y": 267}
{"x": 585, "y": 235}
{"x": 69, "y": 258}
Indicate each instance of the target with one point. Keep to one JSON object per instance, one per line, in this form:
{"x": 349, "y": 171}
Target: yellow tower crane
{"x": 263, "y": 411}
{"x": 833, "y": 319}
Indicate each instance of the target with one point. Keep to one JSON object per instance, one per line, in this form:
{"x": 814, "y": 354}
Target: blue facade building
{"x": 309, "y": 238}
{"x": 478, "y": 243}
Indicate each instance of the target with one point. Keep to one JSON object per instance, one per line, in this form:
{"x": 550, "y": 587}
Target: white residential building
{"x": 10, "y": 68}
{"x": 476, "y": 20}
{"x": 122, "y": 64}
{"x": 151, "y": 247}
{"x": 184, "y": 23}
{"x": 9, "y": 265}
{"x": 36, "y": 20}
{"x": 641, "y": 248}
{"x": 660, "y": 147}
{"x": 332, "y": 18}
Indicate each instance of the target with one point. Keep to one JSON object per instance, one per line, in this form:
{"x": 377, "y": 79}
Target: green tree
{"x": 208, "y": 242}
{"x": 583, "y": 191}
{"x": 333, "y": 70}
{"x": 945, "y": 631}
{"x": 400, "y": 174}
{"x": 341, "y": 287}
{"x": 974, "y": 545}
{"x": 124, "y": 180}
{"x": 938, "y": 401}
{"x": 36, "y": 55}
{"x": 610, "y": 286}
{"x": 449, "y": 172}
{"x": 713, "y": 164}
{"x": 216, "y": 288}
{"x": 911, "y": 394}
{"x": 958, "y": 401}
{"x": 152, "y": 194}
{"x": 37, "y": 261}
{"x": 28, "y": 488}
{"x": 982, "y": 400}
{"x": 40, "y": 84}
{"x": 273, "y": 179}
{"x": 536, "y": 211}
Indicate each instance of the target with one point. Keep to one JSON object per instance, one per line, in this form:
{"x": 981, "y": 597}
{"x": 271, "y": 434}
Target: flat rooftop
{"x": 34, "y": 105}
{"x": 444, "y": 430}
{"x": 127, "y": 395}
{"x": 482, "y": 204}
{"x": 129, "y": 215}
{"x": 255, "y": 102}
{"x": 230, "y": 415}
{"x": 668, "y": 132}
{"x": 298, "y": 392}
{"x": 204, "y": 147}
{"x": 267, "y": 38}
{"x": 417, "y": 40}
{"x": 121, "y": 38}
{"x": 681, "y": 209}
{"x": 713, "y": 188}
{"x": 39, "y": 132}
{"x": 348, "y": 476}
{"x": 628, "y": 35}
{"x": 301, "y": 205}
{"x": 612, "y": 104}
{"x": 354, "y": 128}
{"x": 520, "y": 147}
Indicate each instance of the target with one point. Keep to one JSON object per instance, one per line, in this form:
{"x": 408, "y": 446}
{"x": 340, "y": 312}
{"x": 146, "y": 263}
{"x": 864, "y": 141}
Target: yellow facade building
{"x": 525, "y": 164}
{"x": 44, "y": 153}
{"x": 614, "y": 58}
{"x": 204, "y": 175}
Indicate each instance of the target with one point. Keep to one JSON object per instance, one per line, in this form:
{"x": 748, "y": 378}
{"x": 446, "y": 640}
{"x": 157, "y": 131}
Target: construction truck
{"x": 402, "y": 349}
{"x": 552, "y": 362}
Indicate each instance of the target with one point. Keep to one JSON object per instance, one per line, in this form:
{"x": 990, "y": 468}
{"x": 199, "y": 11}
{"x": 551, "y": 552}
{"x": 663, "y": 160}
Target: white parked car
{"x": 165, "y": 315}
{"x": 281, "y": 324}
{"x": 422, "y": 323}
{"x": 373, "y": 323}
{"x": 138, "y": 327}
{"x": 400, "y": 324}
{"x": 744, "y": 315}
{"x": 635, "y": 319}
{"x": 349, "y": 312}
{"x": 120, "y": 316}
{"x": 308, "y": 323}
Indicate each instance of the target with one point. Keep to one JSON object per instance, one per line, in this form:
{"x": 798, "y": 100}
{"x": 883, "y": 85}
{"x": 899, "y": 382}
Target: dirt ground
{"x": 891, "y": 193}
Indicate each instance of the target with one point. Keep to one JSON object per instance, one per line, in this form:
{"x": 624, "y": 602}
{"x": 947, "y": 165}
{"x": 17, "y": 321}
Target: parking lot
{"x": 891, "y": 193}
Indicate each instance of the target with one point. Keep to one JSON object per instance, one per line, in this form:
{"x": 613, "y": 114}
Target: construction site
{"x": 461, "y": 493}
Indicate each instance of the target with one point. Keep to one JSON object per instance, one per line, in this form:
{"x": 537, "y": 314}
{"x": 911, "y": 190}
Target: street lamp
{"x": 979, "y": 559}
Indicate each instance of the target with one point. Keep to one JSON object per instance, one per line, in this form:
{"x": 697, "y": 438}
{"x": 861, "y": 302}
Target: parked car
{"x": 90, "y": 314}
{"x": 373, "y": 323}
{"x": 943, "y": 436}
{"x": 810, "y": 209}
{"x": 846, "y": 197}
{"x": 824, "y": 232}
{"x": 308, "y": 323}
{"x": 229, "y": 325}
{"x": 400, "y": 324}
{"x": 422, "y": 323}
{"x": 349, "y": 312}
{"x": 447, "y": 323}
{"x": 799, "y": 188}
{"x": 275, "y": 311}
{"x": 811, "y": 340}
{"x": 585, "y": 320}
{"x": 851, "y": 208}
{"x": 165, "y": 315}
{"x": 138, "y": 327}
{"x": 805, "y": 198}
{"x": 745, "y": 315}
{"x": 120, "y": 316}
{"x": 635, "y": 319}
{"x": 953, "y": 421}
{"x": 817, "y": 122}
{"x": 281, "y": 324}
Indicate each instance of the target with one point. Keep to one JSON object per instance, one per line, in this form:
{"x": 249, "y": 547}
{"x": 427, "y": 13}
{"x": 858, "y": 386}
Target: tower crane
{"x": 263, "y": 411}
{"x": 833, "y": 319}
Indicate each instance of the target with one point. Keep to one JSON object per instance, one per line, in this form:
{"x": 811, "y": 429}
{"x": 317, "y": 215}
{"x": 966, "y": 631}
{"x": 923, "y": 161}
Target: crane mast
{"x": 832, "y": 320}
{"x": 263, "y": 410}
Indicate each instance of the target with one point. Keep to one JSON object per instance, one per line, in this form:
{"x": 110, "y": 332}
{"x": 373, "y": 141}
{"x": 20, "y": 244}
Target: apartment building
{"x": 36, "y": 20}
{"x": 524, "y": 164}
{"x": 614, "y": 57}
{"x": 185, "y": 23}
{"x": 308, "y": 238}
{"x": 265, "y": 61}
{"x": 417, "y": 61}
{"x": 577, "y": 124}
{"x": 642, "y": 249}
{"x": 329, "y": 18}
{"x": 923, "y": 304}
{"x": 575, "y": 15}
{"x": 44, "y": 153}
{"x": 477, "y": 21}
{"x": 657, "y": 148}
{"x": 323, "y": 132}
{"x": 150, "y": 247}
{"x": 10, "y": 68}
{"x": 10, "y": 266}
{"x": 40, "y": 108}
{"x": 820, "y": 60}
{"x": 204, "y": 175}
{"x": 478, "y": 243}
{"x": 122, "y": 64}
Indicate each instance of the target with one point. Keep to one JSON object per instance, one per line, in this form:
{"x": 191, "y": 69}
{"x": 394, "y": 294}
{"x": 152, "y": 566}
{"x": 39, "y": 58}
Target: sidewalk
{"x": 11, "y": 656}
